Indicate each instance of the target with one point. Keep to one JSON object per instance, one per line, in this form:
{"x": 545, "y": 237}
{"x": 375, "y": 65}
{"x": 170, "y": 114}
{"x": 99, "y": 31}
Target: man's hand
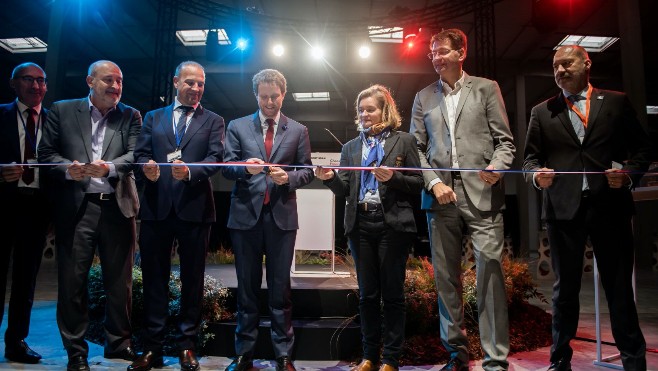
{"x": 179, "y": 170}
{"x": 76, "y": 171}
{"x": 617, "y": 178}
{"x": 383, "y": 173}
{"x": 96, "y": 169}
{"x": 544, "y": 177}
{"x": 324, "y": 174}
{"x": 151, "y": 171}
{"x": 11, "y": 173}
{"x": 444, "y": 194}
{"x": 488, "y": 176}
{"x": 279, "y": 176}
{"x": 253, "y": 170}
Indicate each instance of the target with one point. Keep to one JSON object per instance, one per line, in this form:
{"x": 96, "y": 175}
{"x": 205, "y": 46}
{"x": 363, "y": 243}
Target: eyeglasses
{"x": 30, "y": 80}
{"x": 440, "y": 52}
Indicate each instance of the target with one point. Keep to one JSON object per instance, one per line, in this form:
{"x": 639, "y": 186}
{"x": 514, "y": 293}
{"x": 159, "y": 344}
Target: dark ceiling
{"x": 125, "y": 31}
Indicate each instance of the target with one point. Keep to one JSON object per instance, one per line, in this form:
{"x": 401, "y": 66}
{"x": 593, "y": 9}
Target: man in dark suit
{"x": 591, "y": 130}
{"x": 92, "y": 186}
{"x": 460, "y": 122}
{"x": 27, "y": 210}
{"x": 177, "y": 203}
{"x": 263, "y": 215}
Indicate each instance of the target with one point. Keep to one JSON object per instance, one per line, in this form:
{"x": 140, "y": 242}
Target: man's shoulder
{"x": 430, "y": 89}
{"x": 291, "y": 123}
{"x": 7, "y": 106}
{"x": 125, "y": 107}
{"x": 68, "y": 103}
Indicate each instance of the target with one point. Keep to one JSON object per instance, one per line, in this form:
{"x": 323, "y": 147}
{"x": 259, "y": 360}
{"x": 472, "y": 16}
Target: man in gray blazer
{"x": 460, "y": 123}
{"x": 90, "y": 141}
{"x": 263, "y": 216}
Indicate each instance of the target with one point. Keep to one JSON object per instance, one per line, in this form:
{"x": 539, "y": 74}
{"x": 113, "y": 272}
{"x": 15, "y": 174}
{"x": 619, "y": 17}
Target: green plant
{"x": 213, "y": 308}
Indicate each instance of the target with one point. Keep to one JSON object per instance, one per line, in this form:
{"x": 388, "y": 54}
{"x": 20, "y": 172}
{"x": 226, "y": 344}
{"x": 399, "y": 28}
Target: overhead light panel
{"x": 652, "y": 110}
{"x": 311, "y": 97}
{"x": 381, "y": 34}
{"x": 593, "y": 44}
{"x": 24, "y": 45}
{"x": 199, "y": 37}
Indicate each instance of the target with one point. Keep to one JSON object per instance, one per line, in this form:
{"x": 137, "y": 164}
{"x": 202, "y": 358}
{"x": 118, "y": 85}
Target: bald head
{"x": 571, "y": 67}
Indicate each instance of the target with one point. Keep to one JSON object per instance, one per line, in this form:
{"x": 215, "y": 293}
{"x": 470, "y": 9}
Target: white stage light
{"x": 317, "y": 53}
{"x": 364, "y": 51}
{"x": 278, "y": 50}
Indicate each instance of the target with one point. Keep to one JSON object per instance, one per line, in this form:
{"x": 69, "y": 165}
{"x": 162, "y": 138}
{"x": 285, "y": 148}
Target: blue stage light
{"x": 242, "y": 44}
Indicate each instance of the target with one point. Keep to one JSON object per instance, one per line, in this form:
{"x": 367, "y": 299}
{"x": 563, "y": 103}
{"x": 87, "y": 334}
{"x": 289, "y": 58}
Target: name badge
{"x": 31, "y": 161}
{"x": 173, "y": 156}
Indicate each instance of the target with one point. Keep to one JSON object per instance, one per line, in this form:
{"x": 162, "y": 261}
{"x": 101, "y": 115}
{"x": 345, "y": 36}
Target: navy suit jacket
{"x": 244, "y": 140}
{"x": 397, "y": 194}
{"x": 613, "y": 134}
{"x": 192, "y": 200}
{"x": 10, "y": 147}
{"x": 67, "y": 137}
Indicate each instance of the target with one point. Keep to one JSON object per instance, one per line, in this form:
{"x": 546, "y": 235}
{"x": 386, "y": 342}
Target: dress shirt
{"x": 177, "y": 113}
{"x": 264, "y": 125}
{"x": 98, "y": 126}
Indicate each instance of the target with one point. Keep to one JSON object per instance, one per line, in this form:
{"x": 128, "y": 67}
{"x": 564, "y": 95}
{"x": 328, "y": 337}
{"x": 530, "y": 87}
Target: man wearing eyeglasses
{"x": 460, "y": 123}
{"x": 27, "y": 212}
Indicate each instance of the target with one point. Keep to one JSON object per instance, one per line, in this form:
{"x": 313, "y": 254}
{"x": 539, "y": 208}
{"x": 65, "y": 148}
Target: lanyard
{"x": 574, "y": 108}
{"x": 30, "y": 138}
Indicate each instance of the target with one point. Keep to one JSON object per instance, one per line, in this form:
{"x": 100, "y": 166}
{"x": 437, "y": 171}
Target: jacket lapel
{"x": 167, "y": 124}
{"x": 562, "y": 112}
{"x": 466, "y": 90}
{"x": 595, "y": 104}
{"x": 281, "y": 131}
{"x": 83, "y": 117}
{"x": 389, "y": 144}
{"x": 13, "y": 129}
{"x": 112, "y": 124}
{"x": 257, "y": 134}
{"x": 199, "y": 118}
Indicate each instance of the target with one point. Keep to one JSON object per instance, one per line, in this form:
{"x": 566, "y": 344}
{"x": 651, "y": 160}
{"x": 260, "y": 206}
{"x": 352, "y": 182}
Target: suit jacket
{"x": 244, "y": 140}
{"x": 613, "y": 134}
{"x": 396, "y": 194}
{"x": 67, "y": 137}
{"x": 10, "y": 146}
{"x": 202, "y": 142}
{"x": 482, "y": 138}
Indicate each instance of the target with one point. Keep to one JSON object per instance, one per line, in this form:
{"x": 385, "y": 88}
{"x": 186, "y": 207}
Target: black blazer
{"x": 397, "y": 194}
{"x": 613, "y": 134}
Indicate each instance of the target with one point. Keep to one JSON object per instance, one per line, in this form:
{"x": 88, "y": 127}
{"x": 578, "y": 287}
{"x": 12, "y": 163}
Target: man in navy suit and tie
{"x": 584, "y": 128}
{"x": 177, "y": 203}
{"x": 27, "y": 210}
{"x": 263, "y": 215}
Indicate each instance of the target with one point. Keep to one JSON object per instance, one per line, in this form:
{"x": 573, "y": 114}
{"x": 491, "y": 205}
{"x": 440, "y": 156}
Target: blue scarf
{"x": 375, "y": 154}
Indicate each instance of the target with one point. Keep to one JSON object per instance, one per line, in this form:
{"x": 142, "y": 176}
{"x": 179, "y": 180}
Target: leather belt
{"x": 456, "y": 175}
{"x": 100, "y": 196}
{"x": 369, "y": 207}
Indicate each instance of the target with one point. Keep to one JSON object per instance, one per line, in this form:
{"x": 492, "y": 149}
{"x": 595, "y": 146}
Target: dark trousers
{"x": 612, "y": 240}
{"x": 98, "y": 225}
{"x": 156, "y": 239}
{"x": 23, "y": 230}
{"x": 380, "y": 255}
{"x": 279, "y": 248}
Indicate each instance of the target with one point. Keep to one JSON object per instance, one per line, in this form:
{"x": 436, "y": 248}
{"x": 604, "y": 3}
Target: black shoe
{"x": 77, "y": 363}
{"x": 188, "y": 361}
{"x": 455, "y": 364}
{"x": 21, "y": 353}
{"x": 241, "y": 363}
{"x": 147, "y": 361}
{"x": 285, "y": 364}
{"x": 127, "y": 353}
{"x": 560, "y": 365}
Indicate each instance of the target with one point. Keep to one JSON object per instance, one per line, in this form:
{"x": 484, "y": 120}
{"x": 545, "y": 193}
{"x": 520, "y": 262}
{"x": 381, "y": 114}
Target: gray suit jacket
{"x": 482, "y": 138}
{"x": 244, "y": 140}
{"x": 67, "y": 137}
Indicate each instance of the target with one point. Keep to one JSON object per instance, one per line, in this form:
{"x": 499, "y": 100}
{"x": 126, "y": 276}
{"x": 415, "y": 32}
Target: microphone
{"x": 332, "y": 134}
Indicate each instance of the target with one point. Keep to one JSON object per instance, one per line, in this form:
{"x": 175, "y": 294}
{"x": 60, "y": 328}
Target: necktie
{"x": 181, "y": 124}
{"x": 30, "y": 141}
{"x": 269, "y": 139}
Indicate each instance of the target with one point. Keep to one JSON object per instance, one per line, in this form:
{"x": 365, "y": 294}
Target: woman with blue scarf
{"x": 379, "y": 221}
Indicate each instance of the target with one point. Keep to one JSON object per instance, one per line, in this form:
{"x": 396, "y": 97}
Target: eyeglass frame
{"x": 41, "y": 81}
{"x": 431, "y": 54}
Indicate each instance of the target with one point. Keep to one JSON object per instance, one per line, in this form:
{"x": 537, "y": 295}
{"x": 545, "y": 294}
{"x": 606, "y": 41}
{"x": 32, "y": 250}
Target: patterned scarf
{"x": 375, "y": 154}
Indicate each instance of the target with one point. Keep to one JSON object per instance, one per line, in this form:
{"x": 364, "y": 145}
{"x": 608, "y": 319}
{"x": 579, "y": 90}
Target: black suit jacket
{"x": 613, "y": 134}
{"x": 10, "y": 147}
{"x": 396, "y": 194}
{"x": 67, "y": 137}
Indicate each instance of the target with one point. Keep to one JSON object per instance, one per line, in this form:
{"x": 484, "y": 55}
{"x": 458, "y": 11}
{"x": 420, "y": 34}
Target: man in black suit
{"x": 92, "y": 186}
{"x": 263, "y": 216}
{"x": 177, "y": 203}
{"x": 585, "y": 129}
{"x": 27, "y": 212}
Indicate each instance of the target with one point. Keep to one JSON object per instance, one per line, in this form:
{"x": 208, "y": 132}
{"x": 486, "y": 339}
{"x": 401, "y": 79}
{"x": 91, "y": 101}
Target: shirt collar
{"x": 22, "y": 107}
{"x": 177, "y": 104}
{"x": 92, "y": 107}
{"x": 263, "y": 118}
{"x": 582, "y": 93}
{"x": 458, "y": 84}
